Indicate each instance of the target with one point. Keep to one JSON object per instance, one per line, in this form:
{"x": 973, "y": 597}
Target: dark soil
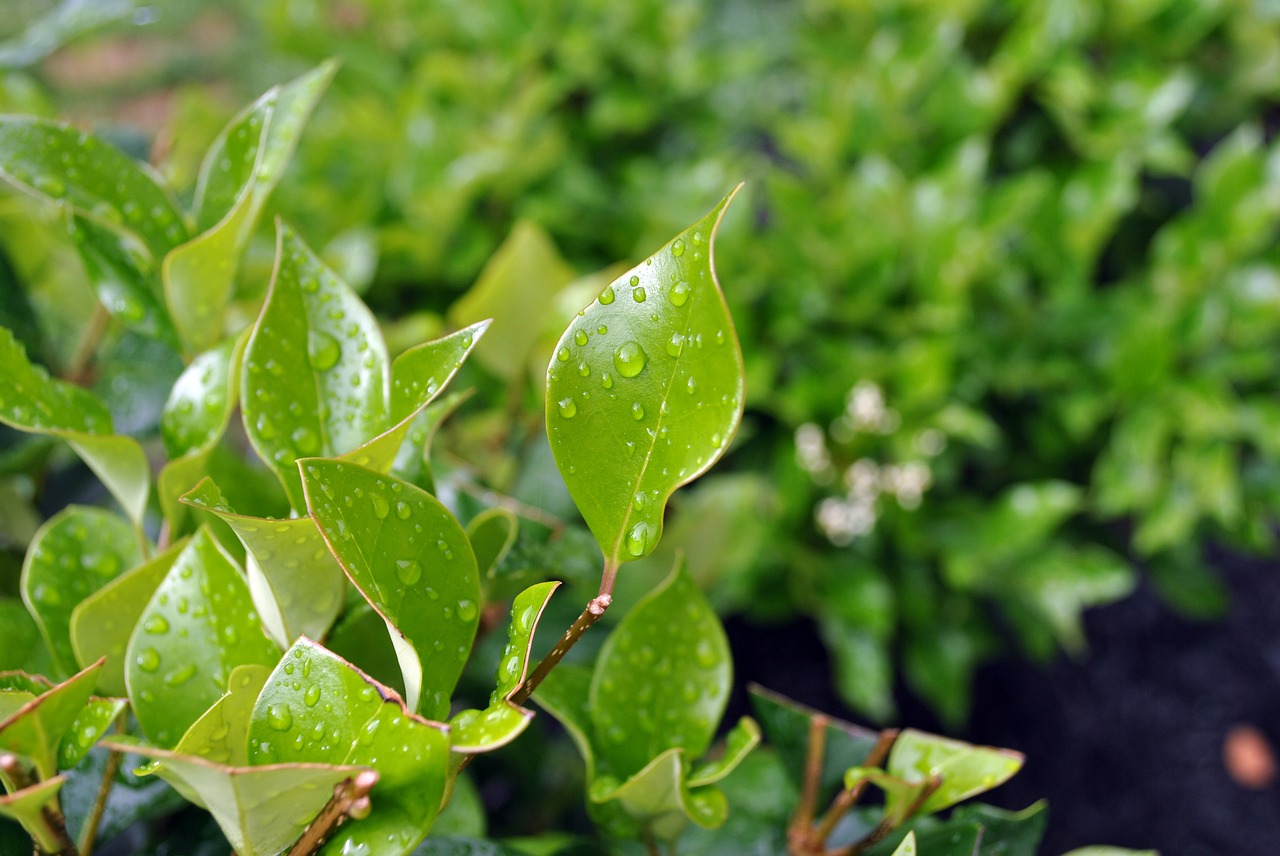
{"x": 1127, "y": 743}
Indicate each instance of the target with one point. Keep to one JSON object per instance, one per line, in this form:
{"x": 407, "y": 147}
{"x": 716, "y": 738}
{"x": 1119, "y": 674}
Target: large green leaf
{"x": 37, "y": 728}
{"x": 645, "y": 390}
{"x": 662, "y": 679}
{"x": 316, "y": 707}
{"x": 241, "y": 169}
{"x": 77, "y": 552}
{"x": 198, "y": 626}
{"x": 315, "y": 378}
{"x": 103, "y": 622}
{"x": 411, "y": 560}
{"x": 965, "y": 770}
{"x": 32, "y": 401}
{"x": 261, "y": 810}
{"x": 296, "y": 583}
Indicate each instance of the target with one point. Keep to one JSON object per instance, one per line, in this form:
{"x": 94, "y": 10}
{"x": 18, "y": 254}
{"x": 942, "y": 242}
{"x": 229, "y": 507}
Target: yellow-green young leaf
{"x": 221, "y": 734}
{"x": 316, "y": 707}
{"x": 241, "y": 169}
{"x": 32, "y": 401}
{"x": 417, "y": 377}
{"x": 645, "y": 390}
{"x": 36, "y": 729}
{"x": 659, "y": 799}
{"x": 296, "y": 584}
{"x": 27, "y": 808}
{"x": 907, "y": 847}
{"x": 492, "y": 533}
{"x": 86, "y": 729}
{"x": 965, "y": 769}
{"x": 662, "y": 679}
{"x": 198, "y": 626}
{"x": 123, "y": 275}
{"x": 261, "y": 810}
{"x": 515, "y": 289}
{"x": 738, "y": 744}
{"x": 77, "y": 552}
{"x": 315, "y": 370}
{"x": 64, "y": 164}
{"x": 102, "y": 623}
{"x": 503, "y": 721}
{"x": 412, "y": 562}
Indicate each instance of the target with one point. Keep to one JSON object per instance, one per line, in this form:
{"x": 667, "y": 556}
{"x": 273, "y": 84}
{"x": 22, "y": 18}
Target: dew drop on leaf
{"x": 563, "y": 355}
{"x": 675, "y": 344}
{"x": 580, "y": 337}
{"x": 311, "y": 696}
{"x": 148, "y": 659}
{"x": 606, "y": 296}
{"x": 677, "y": 249}
{"x": 408, "y": 571}
{"x": 629, "y": 359}
{"x": 280, "y": 717}
{"x": 467, "y": 610}
{"x": 638, "y": 539}
{"x": 323, "y": 349}
{"x": 639, "y": 294}
{"x": 568, "y": 408}
{"x": 680, "y": 293}
{"x": 637, "y": 410}
{"x": 380, "y": 507}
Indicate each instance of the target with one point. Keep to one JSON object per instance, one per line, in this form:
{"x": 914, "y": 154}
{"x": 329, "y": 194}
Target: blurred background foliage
{"x": 1005, "y": 273}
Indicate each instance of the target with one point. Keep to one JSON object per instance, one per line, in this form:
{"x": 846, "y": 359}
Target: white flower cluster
{"x": 844, "y": 518}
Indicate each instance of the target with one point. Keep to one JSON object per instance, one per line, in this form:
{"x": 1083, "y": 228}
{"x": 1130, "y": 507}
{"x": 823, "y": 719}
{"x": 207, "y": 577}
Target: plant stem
{"x": 589, "y": 616}
{"x": 350, "y": 799}
{"x": 77, "y": 369}
{"x": 847, "y": 799}
{"x": 90, "y": 831}
{"x": 51, "y": 835}
{"x": 885, "y": 827}
{"x": 800, "y": 834}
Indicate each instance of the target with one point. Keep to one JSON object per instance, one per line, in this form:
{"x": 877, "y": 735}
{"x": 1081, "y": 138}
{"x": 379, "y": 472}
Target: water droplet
{"x": 637, "y": 410}
{"x": 305, "y": 440}
{"x": 638, "y": 539}
{"x": 580, "y": 337}
{"x": 563, "y": 355}
{"x": 380, "y": 507}
{"x": 403, "y": 510}
{"x": 584, "y": 370}
{"x": 691, "y": 385}
{"x": 568, "y": 408}
{"x": 602, "y": 329}
{"x": 675, "y": 344}
{"x": 606, "y": 296}
{"x": 311, "y": 696}
{"x": 148, "y": 659}
{"x": 323, "y": 349}
{"x": 607, "y": 381}
{"x": 697, "y": 239}
{"x": 178, "y": 677}
{"x": 279, "y": 717}
{"x": 156, "y": 624}
{"x": 705, "y": 654}
{"x": 408, "y": 571}
{"x": 639, "y": 294}
{"x": 680, "y": 293}
{"x": 629, "y": 359}
{"x": 677, "y": 249}
{"x": 467, "y": 610}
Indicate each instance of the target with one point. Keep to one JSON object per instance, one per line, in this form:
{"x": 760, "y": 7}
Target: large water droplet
{"x": 156, "y": 624}
{"x": 178, "y": 677}
{"x": 629, "y": 359}
{"x": 311, "y": 696}
{"x": 467, "y": 610}
{"x": 638, "y": 539}
{"x": 148, "y": 659}
{"x": 563, "y": 355}
{"x": 677, "y": 249}
{"x": 403, "y": 511}
{"x": 639, "y": 294}
{"x": 606, "y": 296}
{"x": 380, "y": 507}
{"x": 680, "y": 293}
{"x": 675, "y": 344}
{"x": 279, "y": 717}
{"x": 323, "y": 349}
{"x": 637, "y": 410}
{"x": 580, "y": 337}
{"x": 568, "y": 408}
{"x": 408, "y": 571}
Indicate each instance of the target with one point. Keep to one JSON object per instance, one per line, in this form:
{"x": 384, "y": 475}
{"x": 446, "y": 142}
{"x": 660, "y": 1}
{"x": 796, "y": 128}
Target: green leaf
{"x": 503, "y": 721}
{"x": 78, "y": 551}
{"x": 221, "y": 734}
{"x": 315, "y": 378}
{"x": 198, "y": 626}
{"x": 564, "y": 694}
{"x": 738, "y": 743}
{"x": 907, "y": 847}
{"x": 662, "y": 679}
{"x": 241, "y": 169}
{"x": 19, "y": 634}
{"x": 1006, "y": 833}
{"x": 965, "y": 770}
{"x": 417, "y": 377}
{"x": 27, "y": 807}
{"x": 660, "y": 800}
{"x": 32, "y": 401}
{"x": 296, "y": 583}
{"x": 63, "y": 164}
{"x": 36, "y": 729}
{"x": 492, "y": 533}
{"x": 261, "y": 810}
{"x": 199, "y": 405}
{"x": 102, "y": 623}
{"x": 123, "y": 275}
{"x": 316, "y": 707}
{"x": 58, "y": 25}
{"x": 411, "y": 560}
{"x": 645, "y": 391}
{"x": 90, "y": 724}
{"x": 515, "y": 289}
{"x": 787, "y": 726}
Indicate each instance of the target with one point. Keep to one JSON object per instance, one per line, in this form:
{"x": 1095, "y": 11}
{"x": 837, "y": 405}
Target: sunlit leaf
{"x": 102, "y": 623}
{"x": 315, "y": 370}
{"x": 32, "y": 401}
{"x": 241, "y": 169}
{"x": 124, "y": 277}
{"x": 200, "y": 403}
{"x": 316, "y": 707}
{"x": 36, "y": 729}
{"x": 738, "y": 743}
{"x": 77, "y": 552}
{"x": 198, "y": 626}
{"x": 907, "y": 847}
{"x": 261, "y": 810}
{"x": 296, "y": 583}
{"x": 221, "y": 734}
{"x": 965, "y": 769}
{"x": 492, "y": 533}
{"x": 645, "y": 390}
{"x": 411, "y": 561}
{"x": 662, "y": 679}
{"x": 27, "y": 807}
{"x": 660, "y": 800}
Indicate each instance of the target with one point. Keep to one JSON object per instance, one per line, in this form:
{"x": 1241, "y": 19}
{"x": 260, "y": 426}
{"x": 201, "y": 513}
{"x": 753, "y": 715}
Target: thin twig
{"x": 78, "y": 367}
{"x": 350, "y": 799}
{"x": 90, "y": 831}
{"x": 589, "y": 616}
{"x": 847, "y": 799}
{"x": 800, "y": 834}
{"x": 885, "y": 826}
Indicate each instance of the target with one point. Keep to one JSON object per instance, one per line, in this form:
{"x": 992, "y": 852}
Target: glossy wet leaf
{"x": 241, "y": 169}
{"x": 907, "y": 847}
{"x": 261, "y": 810}
{"x": 662, "y": 679}
{"x": 563, "y": 694}
{"x": 966, "y": 770}
{"x": 59, "y": 24}
{"x": 102, "y": 623}
{"x": 125, "y": 279}
{"x": 315, "y": 370}
{"x": 198, "y": 626}
{"x": 645, "y": 391}
{"x": 949, "y": 839}
{"x": 32, "y": 401}
{"x": 502, "y": 721}
{"x": 77, "y": 552}
{"x": 26, "y": 807}
{"x": 411, "y": 560}
{"x": 36, "y": 729}
{"x": 515, "y": 289}
{"x": 200, "y": 403}
{"x": 64, "y": 164}
{"x": 93, "y": 721}
{"x": 316, "y": 707}
{"x": 296, "y": 583}
{"x": 19, "y": 634}
{"x": 413, "y": 461}
{"x": 492, "y": 533}
{"x": 417, "y": 377}
{"x": 221, "y": 733}
{"x": 1005, "y": 833}
{"x": 738, "y": 744}
{"x": 659, "y": 799}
